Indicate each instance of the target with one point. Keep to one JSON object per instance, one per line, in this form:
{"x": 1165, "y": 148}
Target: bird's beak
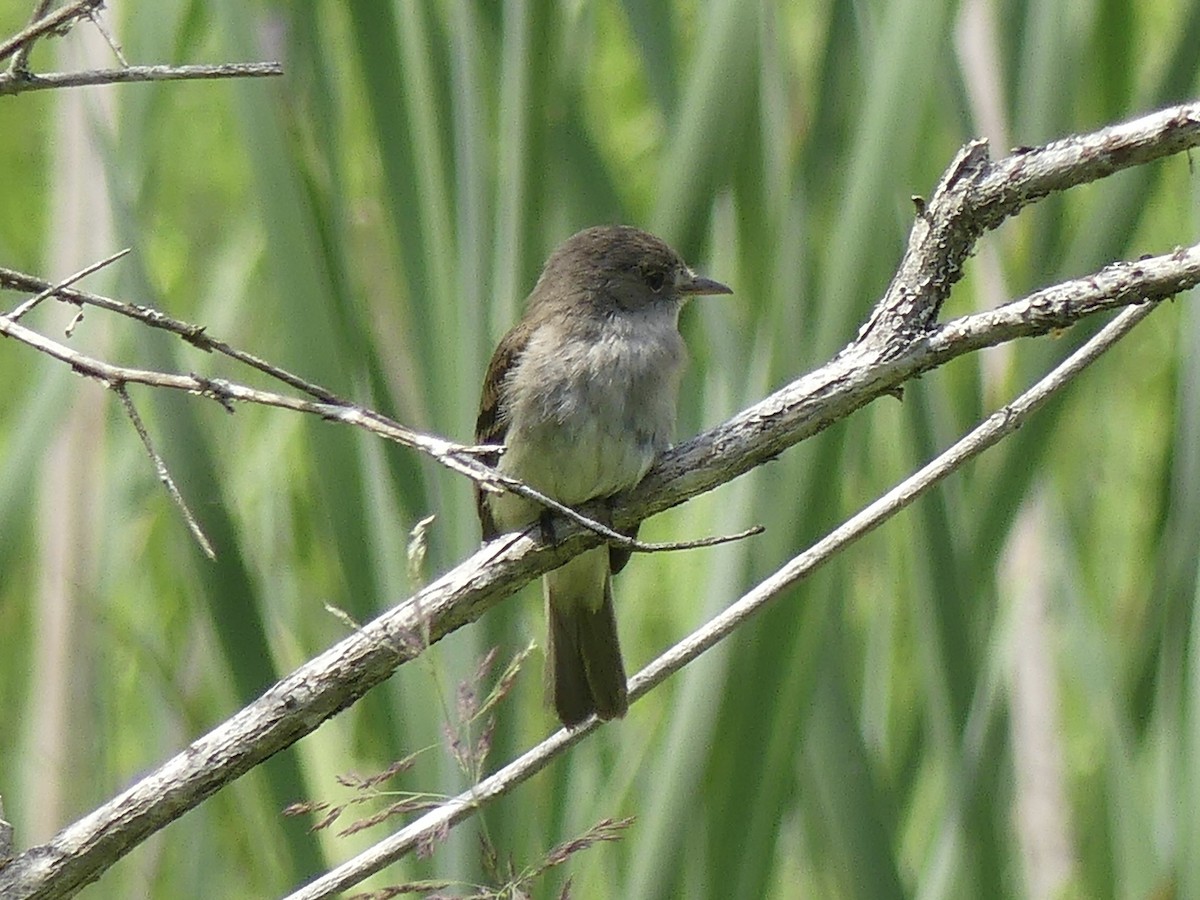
{"x": 691, "y": 283}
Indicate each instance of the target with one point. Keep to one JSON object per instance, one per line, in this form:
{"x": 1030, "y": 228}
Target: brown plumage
{"x": 581, "y": 393}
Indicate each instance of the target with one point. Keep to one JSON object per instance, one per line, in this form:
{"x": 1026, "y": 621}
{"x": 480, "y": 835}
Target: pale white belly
{"x": 588, "y": 424}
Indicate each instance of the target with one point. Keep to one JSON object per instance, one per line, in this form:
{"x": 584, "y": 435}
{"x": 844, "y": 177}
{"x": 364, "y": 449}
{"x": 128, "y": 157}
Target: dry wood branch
{"x": 899, "y": 341}
{"x": 42, "y": 24}
{"x": 20, "y": 62}
{"x": 18, "y": 84}
{"x": 18, "y": 79}
{"x": 459, "y": 458}
{"x": 975, "y": 195}
{"x": 153, "y": 318}
{"x": 988, "y": 434}
{"x": 51, "y": 290}
{"x": 109, "y": 39}
{"x": 163, "y": 473}
{"x": 868, "y": 369}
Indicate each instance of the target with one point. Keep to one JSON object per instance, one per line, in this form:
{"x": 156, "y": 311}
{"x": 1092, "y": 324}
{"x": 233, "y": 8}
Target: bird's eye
{"x": 655, "y": 279}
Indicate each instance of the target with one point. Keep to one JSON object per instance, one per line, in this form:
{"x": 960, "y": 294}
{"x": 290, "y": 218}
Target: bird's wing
{"x": 492, "y": 422}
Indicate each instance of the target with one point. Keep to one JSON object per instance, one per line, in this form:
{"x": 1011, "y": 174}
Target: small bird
{"x": 582, "y": 393}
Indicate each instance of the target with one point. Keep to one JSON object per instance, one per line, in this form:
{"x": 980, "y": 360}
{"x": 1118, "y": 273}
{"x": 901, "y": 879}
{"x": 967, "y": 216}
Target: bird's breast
{"x": 589, "y": 413}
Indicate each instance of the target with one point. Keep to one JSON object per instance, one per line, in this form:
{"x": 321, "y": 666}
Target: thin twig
{"x": 153, "y": 318}
{"x": 893, "y": 351}
{"x": 614, "y": 537}
{"x": 108, "y": 37}
{"x": 715, "y": 540}
{"x": 10, "y": 84}
{"x": 459, "y": 458}
{"x": 51, "y": 290}
{"x": 226, "y": 392}
{"x": 987, "y": 434}
{"x": 1056, "y": 307}
{"x": 331, "y": 681}
{"x": 25, "y": 38}
{"x": 20, "y": 62}
{"x": 160, "y": 468}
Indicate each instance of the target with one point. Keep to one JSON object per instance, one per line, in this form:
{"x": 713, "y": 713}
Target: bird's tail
{"x": 584, "y": 670}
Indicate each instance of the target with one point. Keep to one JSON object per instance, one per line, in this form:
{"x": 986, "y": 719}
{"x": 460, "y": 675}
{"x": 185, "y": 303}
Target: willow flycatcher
{"x": 581, "y": 393}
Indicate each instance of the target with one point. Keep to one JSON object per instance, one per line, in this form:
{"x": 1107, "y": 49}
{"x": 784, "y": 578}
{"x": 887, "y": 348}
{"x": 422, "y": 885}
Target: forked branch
{"x": 899, "y": 340}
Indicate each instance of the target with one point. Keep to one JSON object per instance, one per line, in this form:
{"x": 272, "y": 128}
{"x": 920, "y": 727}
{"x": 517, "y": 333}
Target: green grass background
{"x": 372, "y": 221}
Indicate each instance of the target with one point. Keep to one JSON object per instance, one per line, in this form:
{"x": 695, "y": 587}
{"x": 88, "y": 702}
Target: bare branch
{"x": 335, "y": 679}
{"x": 153, "y": 318}
{"x": 10, "y": 84}
{"x": 23, "y": 40}
{"x": 997, "y": 426}
{"x": 20, "y": 62}
{"x": 869, "y": 369}
{"x": 452, "y": 455}
{"x": 672, "y": 546}
{"x": 973, "y": 196}
{"x": 976, "y": 194}
{"x": 851, "y": 380}
{"x": 901, "y": 339}
{"x": 989, "y": 433}
{"x": 51, "y": 290}
{"x": 457, "y": 457}
{"x": 226, "y": 392}
{"x": 160, "y": 469}
{"x": 108, "y": 38}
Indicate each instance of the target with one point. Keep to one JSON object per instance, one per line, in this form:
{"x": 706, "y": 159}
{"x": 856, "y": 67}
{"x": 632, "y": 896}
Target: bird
{"x": 581, "y": 394}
